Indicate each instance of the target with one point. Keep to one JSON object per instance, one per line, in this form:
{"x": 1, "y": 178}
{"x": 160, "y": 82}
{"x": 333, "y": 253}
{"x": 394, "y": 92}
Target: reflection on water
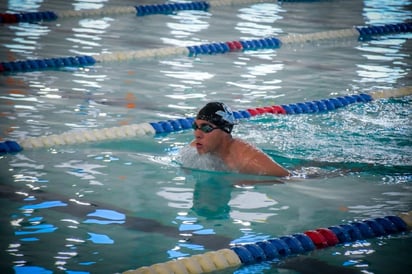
{"x": 27, "y": 37}
{"x": 111, "y": 206}
{"x": 387, "y": 51}
{"x": 18, "y": 6}
{"x": 88, "y": 37}
{"x": 382, "y": 12}
{"x": 259, "y": 20}
{"x": 89, "y": 5}
{"x": 183, "y": 25}
{"x": 385, "y": 61}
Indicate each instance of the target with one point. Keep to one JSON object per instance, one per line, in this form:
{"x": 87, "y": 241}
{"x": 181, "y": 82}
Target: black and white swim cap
{"x": 218, "y": 114}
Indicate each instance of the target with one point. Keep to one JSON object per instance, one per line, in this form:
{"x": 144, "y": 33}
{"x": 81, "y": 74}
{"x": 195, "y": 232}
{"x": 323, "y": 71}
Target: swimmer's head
{"x": 218, "y": 114}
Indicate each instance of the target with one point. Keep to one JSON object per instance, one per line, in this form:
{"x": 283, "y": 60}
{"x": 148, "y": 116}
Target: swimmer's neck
{"x": 224, "y": 149}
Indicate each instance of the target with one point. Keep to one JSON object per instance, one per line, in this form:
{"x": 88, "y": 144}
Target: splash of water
{"x": 189, "y": 158}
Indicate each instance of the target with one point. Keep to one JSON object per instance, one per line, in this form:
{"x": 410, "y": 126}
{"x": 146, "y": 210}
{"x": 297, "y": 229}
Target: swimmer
{"x": 212, "y": 130}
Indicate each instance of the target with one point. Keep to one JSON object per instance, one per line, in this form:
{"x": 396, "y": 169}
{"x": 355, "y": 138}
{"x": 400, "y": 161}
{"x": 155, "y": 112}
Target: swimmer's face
{"x": 207, "y": 136}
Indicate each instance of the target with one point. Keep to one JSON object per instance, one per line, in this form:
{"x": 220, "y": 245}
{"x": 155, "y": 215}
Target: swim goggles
{"x": 206, "y": 128}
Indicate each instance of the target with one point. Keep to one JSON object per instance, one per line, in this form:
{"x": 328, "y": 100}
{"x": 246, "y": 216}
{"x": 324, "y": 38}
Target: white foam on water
{"x": 189, "y": 158}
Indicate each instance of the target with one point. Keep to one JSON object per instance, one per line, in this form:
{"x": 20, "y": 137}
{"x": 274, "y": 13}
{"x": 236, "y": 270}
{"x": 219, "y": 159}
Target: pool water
{"x": 114, "y": 205}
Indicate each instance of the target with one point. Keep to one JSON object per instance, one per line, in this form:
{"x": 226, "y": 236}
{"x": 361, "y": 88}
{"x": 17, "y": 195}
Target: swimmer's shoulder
{"x": 244, "y": 147}
{"x": 244, "y": 152}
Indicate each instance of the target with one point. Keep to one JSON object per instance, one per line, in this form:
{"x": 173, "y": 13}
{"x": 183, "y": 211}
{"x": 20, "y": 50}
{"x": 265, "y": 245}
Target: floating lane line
{"x": 363, "y": 33}
{"x": 140, "y": 10}
{"x": 169, "y": 126}
{"x": 282, "y": 247}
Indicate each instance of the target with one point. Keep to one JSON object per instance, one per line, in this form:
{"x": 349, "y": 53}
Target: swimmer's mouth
{"x": 199, "y": 146}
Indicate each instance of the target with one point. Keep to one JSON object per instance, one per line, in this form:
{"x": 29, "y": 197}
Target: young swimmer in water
{"x": 212, "y": 131}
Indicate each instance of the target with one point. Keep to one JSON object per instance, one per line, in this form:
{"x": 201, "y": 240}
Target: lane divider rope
{"x": 140, "y": 10}
{"x": 169, "y": 126}
{"x": 363, "y": 33}
{"x": 282, "y": 247}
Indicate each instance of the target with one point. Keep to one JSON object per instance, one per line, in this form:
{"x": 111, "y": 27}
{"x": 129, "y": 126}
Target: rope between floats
{"x": 68, "y": 138}
{"x": 318, "y": 36}
{"x": 207, "y": 262}
{"x": 392, "y": 93}
{"x": 97, "y": 12}
{"x": 141, "y": 54}
{"x": 278, "y": 248}
{"x": 161, "y": 127}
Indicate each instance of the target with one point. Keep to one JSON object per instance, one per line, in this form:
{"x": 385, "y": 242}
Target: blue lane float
{"x": 27, "y": 17}
{"x": 384, "y": 29}
{"x": 276, "y": 249}
{"x": 297, "y": 108}
{"x": 170, "y": 8}
{"x": 10, "y": 147}
{"x": 363, "y": 33}
{"x": 49, "y": 63}
{"x": 317, "y": 239}
{"x": 170, "y": 126}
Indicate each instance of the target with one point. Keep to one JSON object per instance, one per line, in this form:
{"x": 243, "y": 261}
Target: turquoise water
{"x": 109, "y": 206}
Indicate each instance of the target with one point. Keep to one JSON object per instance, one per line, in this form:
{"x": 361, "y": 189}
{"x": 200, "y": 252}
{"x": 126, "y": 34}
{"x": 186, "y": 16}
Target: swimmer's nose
{"x": 198, "y": 134}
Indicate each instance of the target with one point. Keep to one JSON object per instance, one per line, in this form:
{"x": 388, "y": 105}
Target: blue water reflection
{"x": 97, "y": 198}
{"x": 99, "y": 238}
{"x": 48, "y": 204}
{"x": 36, "y": 229}
{"x": 108, "y": 217}
{"x": 31, "y": 270}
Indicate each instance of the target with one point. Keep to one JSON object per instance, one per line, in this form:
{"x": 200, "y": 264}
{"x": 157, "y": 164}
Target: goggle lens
{"x": 206, "y": 128}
